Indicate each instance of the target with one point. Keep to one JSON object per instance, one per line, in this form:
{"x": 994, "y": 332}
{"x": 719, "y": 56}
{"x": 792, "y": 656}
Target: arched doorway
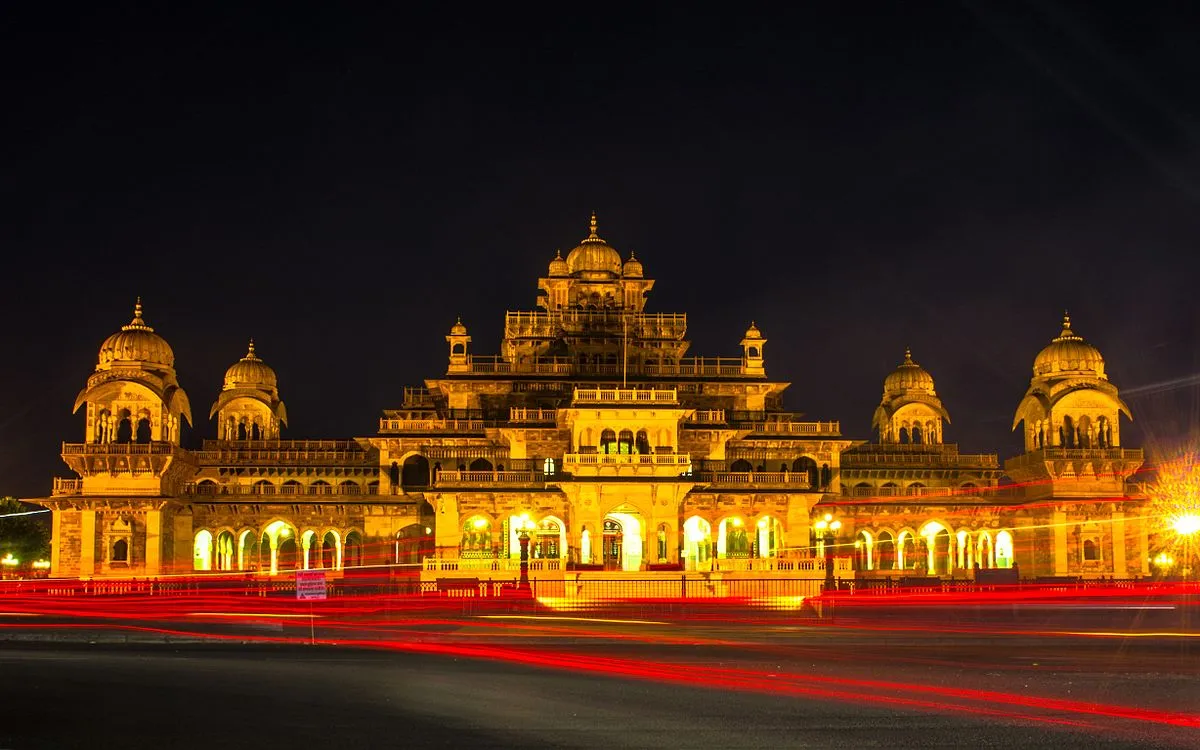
{"x": 768, "y": 536}
{"x": 808, "y": 467}
{"x": 622, "y": 542}
{"x": 697, "y": 544}
{"x": 732, "y": 540}
{"x": 411, "y": 544}
{"x": 887, "y": 551}
{"x": 202, "y": 550}
{"x": 476, "y": 538}
{"x": 352, "y": 551}
{"x": 864, "y": 558}
{"x": 415, "y": 472}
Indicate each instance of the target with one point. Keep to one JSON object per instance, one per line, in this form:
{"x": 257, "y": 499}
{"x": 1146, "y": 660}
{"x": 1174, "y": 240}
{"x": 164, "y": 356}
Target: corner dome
{"x": 250, "y": 372}
{"x": 458, "y": 329}
{"x": 558, "y": 266}
{"x": 632, "y": 267}
{"x": 1069, "y": 354}
{"x": 752, "y": 332}
{"x": 909, "y": 376}
{"x": 594, "y": 255}
{"x": 136, "y": 342}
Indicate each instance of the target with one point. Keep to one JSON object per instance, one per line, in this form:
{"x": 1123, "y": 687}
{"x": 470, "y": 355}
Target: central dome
{"x": 136, "y": 342}
{"x": 909, "y": 376}
{"x": 1069, "y": 353}
{"x": 250, "y": 372}
{"x": 594, "y": 254}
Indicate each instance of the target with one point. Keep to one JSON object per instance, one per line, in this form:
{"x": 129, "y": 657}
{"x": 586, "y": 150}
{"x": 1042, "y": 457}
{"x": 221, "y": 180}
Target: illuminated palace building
{"x": 594, "y": 434}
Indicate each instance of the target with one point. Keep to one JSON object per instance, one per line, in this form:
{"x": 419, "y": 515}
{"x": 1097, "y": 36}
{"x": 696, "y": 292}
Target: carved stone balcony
{"x": 518, "y": 478}
{"x": 656, "y": 465}
{"x": 793, "y": 480}
{"x": 626, "y": 396}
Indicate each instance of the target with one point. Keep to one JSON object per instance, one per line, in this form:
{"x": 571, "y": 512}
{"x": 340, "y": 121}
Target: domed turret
{"x": 136, "y": 342}
{"x": 910, "y": 411}
{"x": 249, "y": 407}
{"x": 909, "y": 376}
{"x": 594, "y": 255}
{"x": 133, "y": 395}
{"x": 558, "y": 266}
{"x": 1069, "y": 354}
{"x": 752, "y": 333}
{"x": 632, "y": 268}
{"x": 250, "y": 372}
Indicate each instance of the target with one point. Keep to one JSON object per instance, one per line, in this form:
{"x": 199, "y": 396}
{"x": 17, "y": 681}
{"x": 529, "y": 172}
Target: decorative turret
{"x": 558, "y": 266}
{"x": 1072, "y": 415}
{"x": 459, "y": 341}
{"x": 593, "y": 256}
{"x": 135, "y": 408}
{"x": 632, "y": 268}
{"x": 249, "y": 407}
{"x": 133, "y": 395}
{"x": 752, "y": 351}
{"x": 910, "y": 411}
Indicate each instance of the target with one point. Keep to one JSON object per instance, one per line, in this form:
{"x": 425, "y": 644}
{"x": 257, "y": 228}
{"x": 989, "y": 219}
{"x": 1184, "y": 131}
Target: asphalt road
{"x": 61, "y": 695}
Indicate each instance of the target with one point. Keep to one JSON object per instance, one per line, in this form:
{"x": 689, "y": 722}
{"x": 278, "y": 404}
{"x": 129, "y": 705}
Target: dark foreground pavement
{"x": 208, "y": 695}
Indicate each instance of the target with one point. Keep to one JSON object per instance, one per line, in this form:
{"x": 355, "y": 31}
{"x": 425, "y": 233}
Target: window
{"x": 120, "y": 551}
{"x": 548, "y": 466}
{"x": 1091, "y": 550}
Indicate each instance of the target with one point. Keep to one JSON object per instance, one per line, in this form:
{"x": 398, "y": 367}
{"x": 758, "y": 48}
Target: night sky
{"x": 855, "y": 179}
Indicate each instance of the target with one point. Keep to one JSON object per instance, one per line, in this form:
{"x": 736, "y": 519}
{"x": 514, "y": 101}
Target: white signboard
{"x": 310, "y": 584}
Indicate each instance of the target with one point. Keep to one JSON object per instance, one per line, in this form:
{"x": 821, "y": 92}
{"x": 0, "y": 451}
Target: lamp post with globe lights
{"x": 828, "y": 528}
{"x": 1175, "y": 506}
{"x": 523, "y": 539}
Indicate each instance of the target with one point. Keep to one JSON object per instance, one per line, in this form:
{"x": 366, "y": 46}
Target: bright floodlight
{"x": 1187, "y": 524}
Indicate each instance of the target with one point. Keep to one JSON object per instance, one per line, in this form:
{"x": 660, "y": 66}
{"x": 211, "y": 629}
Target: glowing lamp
{"x": 1164, "y": 560}
{"x": 1187, "y": 524}
{"x": 480, "y": 523}
{"x": 835, "y": 525}
{"x": 9, "y": 560}
{"x": 820, "y": 525}
{"x": 737, "y": 522}
{"x": 41, "y": 564}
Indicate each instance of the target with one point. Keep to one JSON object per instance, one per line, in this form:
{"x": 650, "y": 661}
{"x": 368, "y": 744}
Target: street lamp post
{"x": 523, "y": 539}
{"x": 828, "y": 528}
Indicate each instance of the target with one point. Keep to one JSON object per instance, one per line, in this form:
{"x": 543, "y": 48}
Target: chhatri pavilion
{"x": 598, "y": 436}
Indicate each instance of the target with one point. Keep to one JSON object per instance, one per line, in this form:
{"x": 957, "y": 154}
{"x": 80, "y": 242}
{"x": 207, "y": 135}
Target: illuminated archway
{"x": 202, "y": 550}
{"x": 697, "y": 544}
{"x": 1004, "y": 549}
{"x": 733, "y": 541}
{"x": 768, "y": 536}
{"x": 623, "y": 541}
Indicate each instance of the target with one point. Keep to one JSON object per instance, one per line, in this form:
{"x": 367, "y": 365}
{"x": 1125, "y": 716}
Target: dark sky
{"x": 855, "y": 178}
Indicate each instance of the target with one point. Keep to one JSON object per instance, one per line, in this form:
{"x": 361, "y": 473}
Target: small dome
{"x": 1069, "y": 353}
{"x": 250, "y": 372}
{"x": 458, "y": 329}
{"x": 594, "y": 254}
{"x": 136, "y": 342}
{"x": 558, "y": 266}
{"x": 632, "y": 267}
{"x": 909, "y": 376}
{"x": 752, "y": 332}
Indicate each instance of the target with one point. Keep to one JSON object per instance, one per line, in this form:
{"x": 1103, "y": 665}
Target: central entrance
{"x": 622, "y": 542}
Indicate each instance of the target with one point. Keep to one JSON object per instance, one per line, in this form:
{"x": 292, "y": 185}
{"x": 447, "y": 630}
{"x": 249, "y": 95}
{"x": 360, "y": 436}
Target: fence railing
{"x": 619, "y": 459}
{"x": 795, "y": 479}
{"x": 67, "y": 486}
{"x": 625, "y": 396}
{"x": 455, "y": 476}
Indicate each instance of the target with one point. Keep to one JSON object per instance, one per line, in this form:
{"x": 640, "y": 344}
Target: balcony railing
{"x": 448, "y": 477}
{"x": 229, "y": 456}
{"x": 707, "y": 416}
{"x": 1055, "y": 453}
{"x": 582, "y": 321}
{"x": 537, "y": 416}
{"x": 156, "y": 448}
{"x": 687, "y": 367}
{"x": 948, "y": 458}
{"x": 793, "y": 428}
{"x": 955, "y": 492}
{"x": 216, "y": 489}
{"x": 793, "y": 479}
{"x": 432, "y": 425}
{"x": 637, "y": 396}
{"x": 67, "y": 486}
{"x": 489, "y": 564}
{"x": 626, "y": 459}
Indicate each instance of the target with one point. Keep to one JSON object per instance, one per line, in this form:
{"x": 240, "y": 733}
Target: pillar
{"x": 153, "y": 542}
{"x": 56, "y": 541}
{"x": 87, "y": 543}
{"x": 1060, "y": 543}
{"x": 1120, "y": 566}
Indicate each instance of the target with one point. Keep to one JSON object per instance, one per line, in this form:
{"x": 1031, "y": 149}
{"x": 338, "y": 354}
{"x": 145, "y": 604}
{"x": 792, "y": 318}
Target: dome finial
{"x": 1067, "y": 334}
{"x": 1066, "y": 321}
{"x": 558, "y": 253}
{"x": 138, "y": 323}
{"x": 908, "y": 360}
{"x": 592, "y": 226}
{"x": 250, "y": 351}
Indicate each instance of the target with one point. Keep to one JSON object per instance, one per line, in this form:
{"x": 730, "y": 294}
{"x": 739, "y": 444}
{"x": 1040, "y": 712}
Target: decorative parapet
{"x": 796, "y": 480}
{"x": 626, "y": 396}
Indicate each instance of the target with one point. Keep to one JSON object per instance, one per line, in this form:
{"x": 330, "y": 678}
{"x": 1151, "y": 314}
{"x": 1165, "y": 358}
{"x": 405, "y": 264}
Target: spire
{"x": 908, "y": 360}
{"x": 592, "y": 227}
{"x": 250, "y": 352}
{"x": 558, "y": 254}
{"x": 137, "y": 324}
{"x": 1067, "y": 334}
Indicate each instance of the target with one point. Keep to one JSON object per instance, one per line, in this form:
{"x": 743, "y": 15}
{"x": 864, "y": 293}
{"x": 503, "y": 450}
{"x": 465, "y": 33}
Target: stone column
{"x": 1120, "y": 566}
{"x": 87, "y": 543}
{"x": 153, "y": 542}
{"x": 1060, "y": 542}
{"x": 56, "y": 540}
